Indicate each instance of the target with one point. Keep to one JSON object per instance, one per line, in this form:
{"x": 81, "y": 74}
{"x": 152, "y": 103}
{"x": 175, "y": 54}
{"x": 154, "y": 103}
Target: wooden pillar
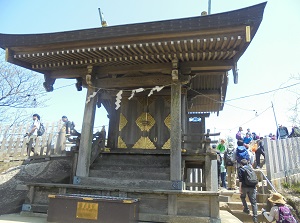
{"x": 184, "y": 117}
{"x": 86, "y": 135}
{"x": 175, "y": 153}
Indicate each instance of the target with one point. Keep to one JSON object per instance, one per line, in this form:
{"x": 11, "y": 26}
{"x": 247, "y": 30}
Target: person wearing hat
{"x": 278, "y": 204}
{"x": 230, "y": 164}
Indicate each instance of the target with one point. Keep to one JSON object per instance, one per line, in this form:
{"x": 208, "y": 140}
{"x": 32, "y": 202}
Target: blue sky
{"x": 270, "y": 60}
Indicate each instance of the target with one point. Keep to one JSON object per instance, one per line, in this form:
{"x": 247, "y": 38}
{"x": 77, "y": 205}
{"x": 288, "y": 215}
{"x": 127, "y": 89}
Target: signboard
{"x": 87, "y": 210}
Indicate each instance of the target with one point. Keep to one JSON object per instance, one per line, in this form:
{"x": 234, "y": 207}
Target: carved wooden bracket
{"x": 79, "y": 84}
{"x": 175, "y": 67}
{"x": 48, "y": 84}
{"x": 88, "y": 77}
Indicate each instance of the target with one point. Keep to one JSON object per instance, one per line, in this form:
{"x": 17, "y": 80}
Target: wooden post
{"x": 60, "y": 145}
{"x": 86, "y": 135}
{"x": 184, "y": 118}
{"x": 175, "y": 153}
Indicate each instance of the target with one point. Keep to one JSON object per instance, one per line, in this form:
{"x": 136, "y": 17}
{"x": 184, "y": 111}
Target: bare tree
{"x": 295, "y": 109}
{"x": 19, "y": 89}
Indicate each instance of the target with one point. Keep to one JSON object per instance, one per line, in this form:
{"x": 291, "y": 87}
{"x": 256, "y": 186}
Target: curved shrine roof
{"x": 141, "y": 55}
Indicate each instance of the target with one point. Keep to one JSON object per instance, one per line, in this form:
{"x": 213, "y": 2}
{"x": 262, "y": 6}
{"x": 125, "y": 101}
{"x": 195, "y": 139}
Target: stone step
{"x": 153, "y": 204}
{"x": 123, "y": 174}
{"x": 130, "y": 167}
{"x": 227, "y": 217}
{"x": 239, "y": 206}
{"x": 136, "y": 159}
{"x": 247, "y": 218}
{"x": 234, "y": 196}
{"x": 261, "y": 198}
{"x": 125, "y": 183}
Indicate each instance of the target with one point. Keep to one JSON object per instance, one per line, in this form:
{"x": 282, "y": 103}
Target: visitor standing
{"x": 230, "y": 164}
{"x": 260, "y": 151}
{"x": 240, "y": 135}
{"x": 68, "y": 125}
{"x": 221, "y": 146}
{"x": 223, "y": 171}
{"x": 282, "y": 132}
{"x": 32, "y": 131}
{"x": 247, "y": 186}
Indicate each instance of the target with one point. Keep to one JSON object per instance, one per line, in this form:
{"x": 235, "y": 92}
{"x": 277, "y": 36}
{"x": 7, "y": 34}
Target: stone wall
{"x": 13, "y": 189}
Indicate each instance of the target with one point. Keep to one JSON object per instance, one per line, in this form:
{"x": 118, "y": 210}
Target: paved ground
{"x": 10, "y": 218}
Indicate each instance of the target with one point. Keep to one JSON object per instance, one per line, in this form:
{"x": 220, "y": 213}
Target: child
{"x": 223, "y": 172}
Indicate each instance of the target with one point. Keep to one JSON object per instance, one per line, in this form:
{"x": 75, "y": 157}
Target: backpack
{"x": 238, "y": 136}
{"x": 285, "y": 215}
{"x": 229, "y": 161}
{"x": 41, "y": 130}
{"x": 242, "y": 153}
{"x": 72, "y": 126}
{"x": 250, "y": 177}
{"x": 296, "y": 132}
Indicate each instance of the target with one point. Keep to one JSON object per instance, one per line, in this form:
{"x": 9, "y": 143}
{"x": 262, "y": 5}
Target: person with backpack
{"x": 33, "y": 129}
{"x": 280, "y": 212}
{"x": 70, "y": 126}
{"x": 241, "y": 152}
{"x": 230, "y": 164}
{"x": 295, "y": 132}
{"x": 32, "y": 133}
{"x": 247, "y": 186}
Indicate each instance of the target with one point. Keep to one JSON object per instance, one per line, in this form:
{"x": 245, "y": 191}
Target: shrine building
{"x": 158, "y": 81}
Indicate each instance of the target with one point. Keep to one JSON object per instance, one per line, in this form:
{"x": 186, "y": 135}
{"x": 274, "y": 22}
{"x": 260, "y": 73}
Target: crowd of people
{"x": 239, "y": 161}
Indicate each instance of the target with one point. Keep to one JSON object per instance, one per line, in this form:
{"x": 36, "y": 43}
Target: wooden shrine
{"x": 158, "y": 81}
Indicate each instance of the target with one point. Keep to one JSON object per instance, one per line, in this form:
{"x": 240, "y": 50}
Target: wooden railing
{"x": 14, "y": 146}
{"x": 282, "y": 159}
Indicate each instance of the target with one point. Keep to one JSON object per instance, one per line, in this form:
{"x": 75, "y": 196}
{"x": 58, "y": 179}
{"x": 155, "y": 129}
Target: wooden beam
{"x": 133, "y": 82}
{"x": 160, "y": 67}
{"x": 69, "y": 73}
{"x": 208, "y": 65}
{"x": 205, "y": 93}
{"x": 209, "y": 73}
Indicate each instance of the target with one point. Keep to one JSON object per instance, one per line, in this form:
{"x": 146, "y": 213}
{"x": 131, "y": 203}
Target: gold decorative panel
{"x": 145, "y": 101}
{"x": 123, "y": 122}
{"x": 167, "y": 144}
{"x": 168, "y": 121}
{"x": 144, "y": 143}
{"x": 145, "y": 122}
{"x": 121, "y": 143}
{"x": 167, "y": 99}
